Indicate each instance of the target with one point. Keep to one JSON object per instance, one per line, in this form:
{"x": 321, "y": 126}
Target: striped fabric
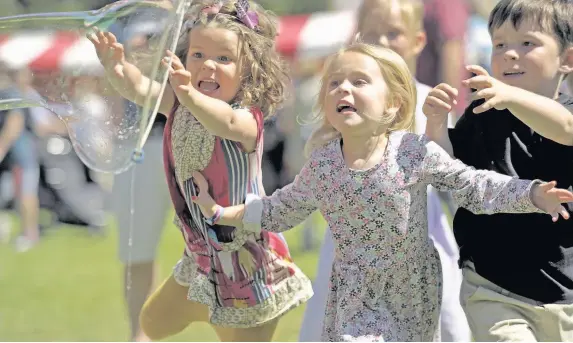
{"x": 247, "y": 276}
{"x": 301, "y": 37}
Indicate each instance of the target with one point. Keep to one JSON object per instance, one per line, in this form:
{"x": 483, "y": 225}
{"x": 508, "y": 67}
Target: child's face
{"x": 354, "y": 94}
{"x": 385, "y": 26}
{"x": 213, "y": 60}
{"x": 526, "y": 58}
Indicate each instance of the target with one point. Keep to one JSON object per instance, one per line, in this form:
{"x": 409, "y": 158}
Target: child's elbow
{"x": 568, "y": 133}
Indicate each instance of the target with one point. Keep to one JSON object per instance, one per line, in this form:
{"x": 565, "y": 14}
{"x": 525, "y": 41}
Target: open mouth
{"x": 208, "y": 86}
{"x": 513, "y": 73}
{"x": 345, "y": 108}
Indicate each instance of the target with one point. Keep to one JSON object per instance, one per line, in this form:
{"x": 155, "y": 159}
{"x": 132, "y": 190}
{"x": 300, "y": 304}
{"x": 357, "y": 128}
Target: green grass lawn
{"x": 69, "y": 289}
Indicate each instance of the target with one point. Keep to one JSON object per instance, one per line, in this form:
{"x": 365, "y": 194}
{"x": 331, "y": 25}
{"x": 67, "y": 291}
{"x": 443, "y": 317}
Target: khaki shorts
{"x": 497, "y": 315}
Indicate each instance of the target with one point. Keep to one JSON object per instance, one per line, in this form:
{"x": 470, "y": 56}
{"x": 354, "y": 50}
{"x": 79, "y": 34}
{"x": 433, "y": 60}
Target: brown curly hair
{"x": 265, "y": 78}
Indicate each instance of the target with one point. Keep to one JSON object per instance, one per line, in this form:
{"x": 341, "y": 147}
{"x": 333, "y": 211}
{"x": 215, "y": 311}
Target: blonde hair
{"x": 412, "y": 12}
{"x": 401, "y": 93}
{"x": 265, "y": 78}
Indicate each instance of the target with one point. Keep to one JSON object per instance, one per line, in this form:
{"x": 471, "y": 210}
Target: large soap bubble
{"x": 107, "y": 131}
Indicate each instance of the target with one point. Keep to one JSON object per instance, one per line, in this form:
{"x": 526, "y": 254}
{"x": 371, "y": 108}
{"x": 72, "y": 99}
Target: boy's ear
{"x": 420, "y": 40}
{"x": 567, "y": 61}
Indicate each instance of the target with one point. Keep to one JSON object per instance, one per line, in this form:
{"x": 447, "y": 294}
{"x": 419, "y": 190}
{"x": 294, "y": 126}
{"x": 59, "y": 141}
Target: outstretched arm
{"x": 283, "y": 210}
{"x": 125, "y": 77}
{"x": 542, "y": 114}
{"x": 487, "y": 192}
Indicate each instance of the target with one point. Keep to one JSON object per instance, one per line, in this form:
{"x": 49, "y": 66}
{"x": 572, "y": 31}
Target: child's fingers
{"x": 441, "y": 95}
{"x": 92, "y": 37}
{"x": 168, "y": 67}
{"x": 486, "y": 106}
{"x": 554, "y": 217}
{"x": 562, "y": 195}
{"x": 438, "y": 103}
{"x": 110, "y": 38}
{"x": 166, "y": 61}
{"x": 101, "y": 37}
{"x": 478, "y": 82}
{"x": 546, "y": 186}
{"x": 482, "y": 94}
{"x": 559, "y": 211}
{"x": 476, "y": 69}
{"x": 181, "y": 73}
{"x": 451, "y": 91}
{"x": 118, "y": 53}
{"x": 175, "y": 61}
{"x": 564, "y": 213}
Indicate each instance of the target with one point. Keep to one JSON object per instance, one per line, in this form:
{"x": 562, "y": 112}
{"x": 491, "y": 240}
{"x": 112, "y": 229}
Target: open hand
{"x": 203, "y": 199}
{"x": 110, "y": 53}
{"x": 549, "y": 199}
{"x": 495, "y": 93}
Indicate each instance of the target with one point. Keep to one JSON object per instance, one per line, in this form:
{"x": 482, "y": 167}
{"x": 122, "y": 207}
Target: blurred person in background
{"x": 150, "y": 200}
{"x": 478, "y": 41}
{"x": 443, "y": 58}
{"x": 18, "y": 153}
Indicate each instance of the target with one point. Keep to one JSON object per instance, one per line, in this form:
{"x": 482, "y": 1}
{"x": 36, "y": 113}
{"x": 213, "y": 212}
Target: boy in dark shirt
{"x": 518, "y": 268}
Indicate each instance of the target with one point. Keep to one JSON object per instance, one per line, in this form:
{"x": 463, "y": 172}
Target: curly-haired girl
{"x": 231, "y": 80}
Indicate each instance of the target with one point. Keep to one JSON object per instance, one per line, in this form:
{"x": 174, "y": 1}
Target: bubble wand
{"x": 138, "y": 154}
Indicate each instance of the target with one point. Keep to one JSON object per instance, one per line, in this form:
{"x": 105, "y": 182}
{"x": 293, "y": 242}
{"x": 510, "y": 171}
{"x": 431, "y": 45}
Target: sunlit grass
{"x": 69, "y": 288}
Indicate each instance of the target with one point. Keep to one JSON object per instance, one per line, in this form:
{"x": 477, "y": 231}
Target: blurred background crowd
{"x": 68, "y": 285}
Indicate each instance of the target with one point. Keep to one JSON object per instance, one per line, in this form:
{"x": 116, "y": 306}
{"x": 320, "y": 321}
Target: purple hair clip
{"x": 249, "y": 18}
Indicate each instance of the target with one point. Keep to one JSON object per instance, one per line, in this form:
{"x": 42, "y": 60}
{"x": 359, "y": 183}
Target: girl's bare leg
{"x": 168, "y": 311}
{"x": 263, "y": 333}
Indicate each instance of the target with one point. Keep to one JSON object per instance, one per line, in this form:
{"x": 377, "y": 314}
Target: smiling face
{"x": 213, "y": 60}
{"x": 526, "y": 57}
{"x": 354, "y": 94}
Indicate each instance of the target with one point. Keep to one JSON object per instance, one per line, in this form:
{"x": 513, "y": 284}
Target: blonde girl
{"x": 399, "y": 25}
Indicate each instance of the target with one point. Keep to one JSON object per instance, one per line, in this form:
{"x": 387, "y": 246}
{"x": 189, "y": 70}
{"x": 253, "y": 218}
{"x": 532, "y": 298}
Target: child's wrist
{"x": 437, "y": 128}
{"x": 217, "y": 215}
{"x": 191, "y": 97}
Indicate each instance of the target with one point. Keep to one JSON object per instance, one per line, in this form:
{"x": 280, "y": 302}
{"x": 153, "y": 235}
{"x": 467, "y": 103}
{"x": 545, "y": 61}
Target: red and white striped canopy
{"x": 300, "y": 37}
{"x": 316, "y": 35}
{"x": 49, "y": 51}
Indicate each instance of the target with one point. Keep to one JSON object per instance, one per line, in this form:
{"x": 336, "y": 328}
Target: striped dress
{"x": 245, "y": 279}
